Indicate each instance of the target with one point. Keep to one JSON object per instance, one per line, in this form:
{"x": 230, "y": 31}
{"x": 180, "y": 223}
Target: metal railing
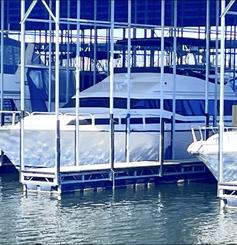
{"x": 11, "y": 117}
{"x": 201, "y": 133}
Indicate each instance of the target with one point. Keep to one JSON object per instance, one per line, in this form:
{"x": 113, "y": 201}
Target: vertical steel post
{"x": 222, "y": 80}
{"x": 111, "y": 92}
{"x": 128, "y": 84}
{"x": 83, "y": 49}
{"x": 161, "y": 148}
{"x": 22, "y": 87}
{"x": 134, "y": 61}
{"x": 50, "y": 60}
{"x": 123, "y": 50}
{"x": 2, "y": 71}
{"x": 174, "y": 80}
{"x": 207, "y": 59}
{"x": 68, "y": 49}
{"x": 216, "y": 63}
{"x": 57, "y": 132}
{"x": 152, "y": 58}
{"x": 78, "y": 63}
{"x": 95, "y": 43}
{"x": 162, "y": 128}
{"x": 2, "y": 55}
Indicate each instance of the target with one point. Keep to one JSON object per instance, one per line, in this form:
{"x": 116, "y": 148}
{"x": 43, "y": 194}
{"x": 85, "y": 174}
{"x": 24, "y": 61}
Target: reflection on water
{"x": 166, "y": 214}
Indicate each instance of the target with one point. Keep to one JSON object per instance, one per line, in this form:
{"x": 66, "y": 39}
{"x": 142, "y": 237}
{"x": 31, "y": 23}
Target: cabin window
{"x": 145, "y": 104}
{"x": 102, "y": 102}
{"x": 123, "y": 120}
{"x": 105, "y": 121}
{"x": 11, "y": 57}
{"x": 186, "y": 107}
{"x": 81, "y": 122}
{"x": 197, "y": 107}
{"x": 136, "y": 120}
{"x": 118, "y": 103}
{"x": 190, "y": 107}
{"x": 94, "y": 102}
{"x": 193, "y": 107}
{"x": 133, "y": 120}
{"x": 102, "y": 121}
{"x": 9, "y": 105}
{"x": 151, "y": 120}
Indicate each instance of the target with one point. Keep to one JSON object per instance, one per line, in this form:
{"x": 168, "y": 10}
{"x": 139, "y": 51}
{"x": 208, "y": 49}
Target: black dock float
{"x": 80, "y": 178}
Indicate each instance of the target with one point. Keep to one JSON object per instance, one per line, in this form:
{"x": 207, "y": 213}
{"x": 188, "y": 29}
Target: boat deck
{"x": 79, "y": 178}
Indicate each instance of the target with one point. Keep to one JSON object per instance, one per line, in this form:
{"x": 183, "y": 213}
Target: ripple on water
{"x": 166, "y": 214}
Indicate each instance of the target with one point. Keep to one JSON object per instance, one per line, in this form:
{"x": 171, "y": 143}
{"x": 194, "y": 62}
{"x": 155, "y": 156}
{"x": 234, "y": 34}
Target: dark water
{"x": 165, "y": 214}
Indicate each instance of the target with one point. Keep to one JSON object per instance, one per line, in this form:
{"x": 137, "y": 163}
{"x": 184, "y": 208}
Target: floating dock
{"x": 97, "y": 176}
{"x": 227, "y": 192}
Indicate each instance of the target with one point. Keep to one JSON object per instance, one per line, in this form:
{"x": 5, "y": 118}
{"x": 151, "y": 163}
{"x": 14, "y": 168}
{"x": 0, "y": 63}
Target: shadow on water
{"x": 168, "y": 193}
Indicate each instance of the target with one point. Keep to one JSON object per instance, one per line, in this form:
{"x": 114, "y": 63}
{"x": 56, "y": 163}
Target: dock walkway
{"x": 79, "y": 178}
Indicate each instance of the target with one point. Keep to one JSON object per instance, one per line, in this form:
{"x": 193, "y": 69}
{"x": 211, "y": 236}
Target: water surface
{"x": 165, "y": 214}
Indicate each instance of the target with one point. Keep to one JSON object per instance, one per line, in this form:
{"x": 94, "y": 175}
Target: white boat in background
{"x": 11, "y": 75}
{"x": 36, "y": 79}
{"x": 94, "y": 130}
{"x": 208, "y": 151}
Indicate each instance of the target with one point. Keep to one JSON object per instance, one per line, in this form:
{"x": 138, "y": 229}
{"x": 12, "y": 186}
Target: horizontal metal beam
{"x": 93, "y": 22}
{"x": 232, "y": 13}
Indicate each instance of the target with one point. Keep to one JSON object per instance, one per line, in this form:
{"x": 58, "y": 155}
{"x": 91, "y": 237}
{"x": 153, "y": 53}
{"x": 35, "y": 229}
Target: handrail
{"x": 13, "y": 115}
{"x": 200, "y": 130}
{"x": 99, "y": 115}
{"x": 44, "y": 113}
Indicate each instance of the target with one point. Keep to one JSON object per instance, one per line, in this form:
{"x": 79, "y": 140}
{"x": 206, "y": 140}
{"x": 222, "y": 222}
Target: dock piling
{"x": 161, "y": 148}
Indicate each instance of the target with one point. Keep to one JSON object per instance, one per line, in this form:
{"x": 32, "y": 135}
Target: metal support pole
{"x": 2, "y": 71}
{"x": 22, "y": 87}
{"x": 123, "y": 50}
{"x": 152, "y": 58}
{"x": 83, "y": 49}
{"x": 128, "y": 84}
{"x": 174, "y": 80}
{"x": 58, "y": 153}
{"x": 68, "y": 47}
{"x": 144, "y": 53}
{"x": 134, "y": 60}
{"x": 161, "y": 150}
{"x": 222, "y": 80}
{"x": 78, "y": 63}
{"x": 111, "y": 97}
{"x": 50, "y": 60}
{"x": 207, "y": 58}
{"x": 57, "y": 132}
{"x": 162, "y": 131}
{"x": 216, "y": 64}
{"x": 95, "y": 43}
{"x": 2, "y": 54}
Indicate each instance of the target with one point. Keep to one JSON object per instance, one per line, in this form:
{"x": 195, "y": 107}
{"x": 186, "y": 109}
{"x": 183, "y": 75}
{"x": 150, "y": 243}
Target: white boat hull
{"x": 208, "y": 152}
{"x": 94, "y": 147}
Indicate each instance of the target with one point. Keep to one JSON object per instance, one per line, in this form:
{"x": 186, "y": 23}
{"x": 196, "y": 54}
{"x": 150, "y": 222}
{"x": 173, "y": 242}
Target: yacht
{"x": 94, "y": 128}
{"x": 11, "y": 75}
{"x": 207, "y": 150}
{"x": 36, "y": 78}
